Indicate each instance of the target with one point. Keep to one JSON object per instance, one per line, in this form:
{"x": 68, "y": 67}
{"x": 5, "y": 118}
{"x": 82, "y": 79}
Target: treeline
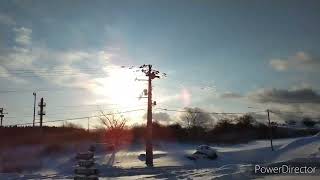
{"x": 13, "y": 135}
{"x": 228, "y": 130}
{"x": 237, "y": 130}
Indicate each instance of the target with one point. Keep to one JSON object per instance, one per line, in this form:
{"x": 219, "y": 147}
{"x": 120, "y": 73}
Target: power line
{"x": 57, "y": 75}
{"x": 78, "y": 118}
{"x": 175, "y": 110}
{"x": 50, "y": 71}
{"x": 106, "y": 104}
{"x": 302, "y": 102}
{"x": 58, "y": 72}
{"x": 53, "y": 73}
{"x": 88, "y": 105}
{"x": 38, "y": 90}
{"x": 54, "y": 69}
{"x": 93, "y": 111}
{"x": 293, "y": 112}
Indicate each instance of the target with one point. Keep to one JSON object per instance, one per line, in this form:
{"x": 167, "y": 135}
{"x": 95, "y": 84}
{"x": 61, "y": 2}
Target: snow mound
{"x": 300, "y": 148}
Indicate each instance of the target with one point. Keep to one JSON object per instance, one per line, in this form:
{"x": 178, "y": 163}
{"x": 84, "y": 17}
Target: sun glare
{"x": 121, "y": 88}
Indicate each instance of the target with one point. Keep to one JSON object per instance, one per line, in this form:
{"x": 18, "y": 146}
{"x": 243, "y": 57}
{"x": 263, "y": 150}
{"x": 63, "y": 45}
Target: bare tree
{"x": 308, "y": 122}
{"x": 291, "y": 122}
{"x": 245, "y": 120}
{"x": 71, "y": 125}
{"x": 116, "y": 132}
{"x": 195, "y": 117}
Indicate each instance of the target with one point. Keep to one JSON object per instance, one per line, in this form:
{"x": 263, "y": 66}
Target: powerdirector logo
{"x": 290, "y": 168}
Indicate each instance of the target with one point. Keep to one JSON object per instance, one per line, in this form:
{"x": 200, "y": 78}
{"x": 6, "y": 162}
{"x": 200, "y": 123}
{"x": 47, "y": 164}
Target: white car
{"x": 204, "y": 151}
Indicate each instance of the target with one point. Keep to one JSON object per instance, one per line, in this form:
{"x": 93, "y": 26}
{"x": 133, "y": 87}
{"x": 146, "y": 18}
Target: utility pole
{"x": 1, "y": 116}
{"x": 88, "y": 124}
{"x": 34, "y": 108}
{"x": 152, "y": 74}
{"x": 41, "y": 112}
{"x": 270, "y": 129}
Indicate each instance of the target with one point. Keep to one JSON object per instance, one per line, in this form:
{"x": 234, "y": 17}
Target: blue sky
{"x": 222, "y": 55}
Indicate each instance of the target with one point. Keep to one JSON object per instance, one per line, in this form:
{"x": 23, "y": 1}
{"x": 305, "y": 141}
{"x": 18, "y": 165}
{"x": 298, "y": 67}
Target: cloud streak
{"x": 285, "y": 104}
{"x": 301, "y": 61}
{"x": 231, "y": 95}
{"x": 284, "y": 96}
{"x": 23, "y": 36}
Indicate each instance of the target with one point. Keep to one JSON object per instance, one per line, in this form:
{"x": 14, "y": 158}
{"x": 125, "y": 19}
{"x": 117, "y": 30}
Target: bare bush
{"x": 116, "y": 132}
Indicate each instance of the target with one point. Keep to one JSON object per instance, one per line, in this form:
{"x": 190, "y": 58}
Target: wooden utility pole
{"x": 149, "y": 147}
{"x": 41, "y": 112}
{"x": 1, "y": 115}
{"x": 152, "y": 74}
{"x": 88, "y": 124}
{"x": 270, "y": 129}
{"x": 34, "y": 108}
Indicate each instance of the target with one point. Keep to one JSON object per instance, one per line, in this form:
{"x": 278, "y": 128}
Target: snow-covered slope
{"x": 234, "y": 162}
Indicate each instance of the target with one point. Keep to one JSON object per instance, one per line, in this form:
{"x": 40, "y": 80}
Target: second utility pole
{"x": 34, "y": 108}
{"x": 41, "y": 112}
{"x": 270, "y": 129}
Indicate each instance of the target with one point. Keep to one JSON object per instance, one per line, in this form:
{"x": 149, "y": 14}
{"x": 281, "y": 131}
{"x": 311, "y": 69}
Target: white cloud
{"x": 279, "y": 65}
{"x": 74, "y": 68}
{"x": 23, "y": 36}
{"x": 70, "y": 68}
{"x": 301, "y": 61}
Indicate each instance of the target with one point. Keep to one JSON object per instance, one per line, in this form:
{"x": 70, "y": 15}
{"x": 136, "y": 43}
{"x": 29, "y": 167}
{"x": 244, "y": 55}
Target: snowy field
{"x": 233, "y": 162}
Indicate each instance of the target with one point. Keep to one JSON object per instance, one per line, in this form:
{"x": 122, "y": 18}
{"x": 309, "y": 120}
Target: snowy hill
{"x": 234, "y": 162}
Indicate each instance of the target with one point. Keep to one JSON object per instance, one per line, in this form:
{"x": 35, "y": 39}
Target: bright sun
{"x": 120, "y": 88}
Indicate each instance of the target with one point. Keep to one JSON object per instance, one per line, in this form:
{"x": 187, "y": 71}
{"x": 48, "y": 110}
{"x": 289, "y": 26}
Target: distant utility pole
{"x": 41, "y": 112}
{"x": 270, "y": 129}
{"x": 34, "y": 108}
{"x": 152, "y": 74}
{"x": 1, "y": 116}
{"x": 88, "y": 124}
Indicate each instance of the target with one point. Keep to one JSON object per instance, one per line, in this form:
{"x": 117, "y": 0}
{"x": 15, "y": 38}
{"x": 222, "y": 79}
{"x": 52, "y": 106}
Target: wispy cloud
{"x": 301, "y": 61}
{"x": 23, "y": 36}
{"x": 76, "y": 68}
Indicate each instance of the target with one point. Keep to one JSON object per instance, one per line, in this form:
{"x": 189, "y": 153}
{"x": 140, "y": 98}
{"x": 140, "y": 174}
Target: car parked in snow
{"x": 204, "y": 151}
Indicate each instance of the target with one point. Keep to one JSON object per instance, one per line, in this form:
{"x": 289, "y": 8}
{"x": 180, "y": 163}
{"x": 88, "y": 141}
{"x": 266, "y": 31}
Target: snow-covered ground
{"x": 234, "y": 162}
